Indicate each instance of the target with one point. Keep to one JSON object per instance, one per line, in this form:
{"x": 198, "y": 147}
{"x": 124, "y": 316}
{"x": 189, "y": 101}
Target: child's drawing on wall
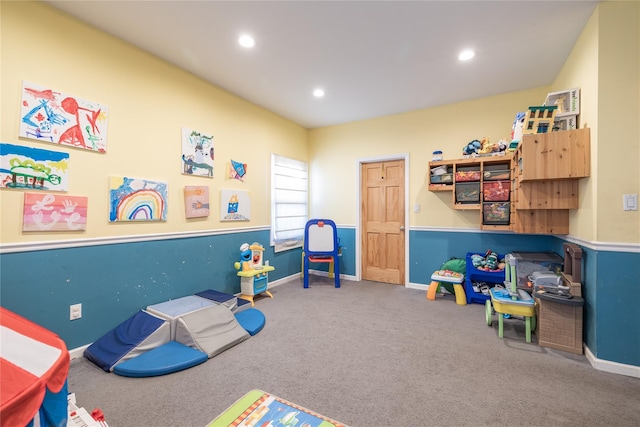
{"x": 50, "y": 212}
{"x": 197, "y": 153}
{"x": 237, "y": 170}
{"x": 235, "y": 205}
{"x": 47, "y": 115}
{"x": 196, "y": 201}
{"x": 30, "y": 168}
{"x": 134, "y": 199}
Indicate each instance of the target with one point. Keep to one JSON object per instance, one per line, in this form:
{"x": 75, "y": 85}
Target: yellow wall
{"x": 618, "y": 150}
{"x": 605, "y": 64}
{"x": 149, "y": 102}
{"x": 334, "y": 152}
{"x": 581, "y": 70}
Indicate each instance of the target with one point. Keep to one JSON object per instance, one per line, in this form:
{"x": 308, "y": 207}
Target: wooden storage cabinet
{"x": 540, "y": 221}
{"x": 554, "y": 155}
{"x": 546, "y": 195}
{"x": 545, "y": 173}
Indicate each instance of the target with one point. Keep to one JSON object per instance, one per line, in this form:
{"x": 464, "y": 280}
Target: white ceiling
{"x": 372, "y": 58}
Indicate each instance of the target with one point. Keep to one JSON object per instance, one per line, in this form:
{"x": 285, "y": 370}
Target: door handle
{"x": 402, "y": 228}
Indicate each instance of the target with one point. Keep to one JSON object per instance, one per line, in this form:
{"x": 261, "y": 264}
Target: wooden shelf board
{"x": 466, "y": 206}
{"x": 440, "y": 187}
{"x": 505, "y": 227}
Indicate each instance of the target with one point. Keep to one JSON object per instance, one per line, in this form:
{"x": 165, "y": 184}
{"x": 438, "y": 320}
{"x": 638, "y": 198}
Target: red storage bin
{"x": 466, "y": 176}
{"x": 496, "y": 191}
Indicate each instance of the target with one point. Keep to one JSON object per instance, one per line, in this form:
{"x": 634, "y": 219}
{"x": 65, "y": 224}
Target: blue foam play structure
{"x": 141, "y": 332}
{"x": 168, "y": 358}
{"x": 175, "y": 335}
{"x": 252, "y": 320}
{"x": 234, "y": 303}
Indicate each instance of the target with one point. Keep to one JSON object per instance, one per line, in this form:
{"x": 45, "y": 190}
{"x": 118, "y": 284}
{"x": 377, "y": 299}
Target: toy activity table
{"x": 504, "y": 303}
{"x": 450, "y": 277}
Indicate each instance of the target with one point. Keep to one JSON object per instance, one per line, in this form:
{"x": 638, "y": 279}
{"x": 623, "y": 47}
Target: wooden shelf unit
{"x": 482, "y": 165}
{"x": 545, "y": 172}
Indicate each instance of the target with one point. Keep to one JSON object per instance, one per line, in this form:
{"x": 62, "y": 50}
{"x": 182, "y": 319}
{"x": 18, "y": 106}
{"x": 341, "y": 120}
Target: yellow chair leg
{"x": 431, "y": 292}
{"x": 331, "y": 270}
{"x": 461, "y": 297}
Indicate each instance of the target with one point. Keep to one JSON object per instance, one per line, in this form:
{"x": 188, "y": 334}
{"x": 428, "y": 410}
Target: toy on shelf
{"x": 539, "y": 119}
{"x": 472, "y": 148}
{"x": 254, "y": 279}
{"x": 516, "y": 130}
{"x": 484, "y": 147}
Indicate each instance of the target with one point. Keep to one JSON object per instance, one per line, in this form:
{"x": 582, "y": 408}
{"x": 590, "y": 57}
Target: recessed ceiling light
{"x": 318, "y": 93}
{"x": 246, "y": 41}
{"x": 466, "y": 55}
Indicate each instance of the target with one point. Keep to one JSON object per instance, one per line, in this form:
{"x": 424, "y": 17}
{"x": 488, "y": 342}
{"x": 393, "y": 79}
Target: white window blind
{"x": 289, "y": 200}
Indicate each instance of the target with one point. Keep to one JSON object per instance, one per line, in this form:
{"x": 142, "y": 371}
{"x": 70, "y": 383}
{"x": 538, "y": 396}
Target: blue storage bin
{"x": 472, "y": 274}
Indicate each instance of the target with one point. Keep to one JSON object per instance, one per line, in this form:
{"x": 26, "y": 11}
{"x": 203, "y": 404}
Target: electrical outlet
{"x": 75, "y": 311}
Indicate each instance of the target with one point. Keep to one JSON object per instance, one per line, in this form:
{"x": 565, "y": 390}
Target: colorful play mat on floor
{"x": 258, "y": 408}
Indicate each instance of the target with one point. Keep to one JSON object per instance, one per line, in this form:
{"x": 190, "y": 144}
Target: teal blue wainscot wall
{"x": 114, "y": 281}
{"x": 611, "y": 290}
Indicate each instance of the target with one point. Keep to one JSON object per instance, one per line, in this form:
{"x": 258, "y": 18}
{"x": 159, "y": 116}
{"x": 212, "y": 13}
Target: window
{"x": 289, "y": 214}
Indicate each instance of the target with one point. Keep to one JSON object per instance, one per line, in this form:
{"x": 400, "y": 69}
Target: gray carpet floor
{"x": 373, "y": 354}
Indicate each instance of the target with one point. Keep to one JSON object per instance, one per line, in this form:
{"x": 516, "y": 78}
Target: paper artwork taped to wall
{"x": 196, "y": 201}
{"x": 237, "y": 170}
{"x": 197, "y": 153}
{"x": 60, "y": 118}
{"x": 235, "y": 205}
{"x": 50, "y": 212}
{"x": 132, "y": 199}
{"x": 33, "y": 168}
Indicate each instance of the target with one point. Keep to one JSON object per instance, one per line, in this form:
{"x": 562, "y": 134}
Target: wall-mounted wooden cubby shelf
{"x": 472, "y": 179}
{"x": 528, "y": 191}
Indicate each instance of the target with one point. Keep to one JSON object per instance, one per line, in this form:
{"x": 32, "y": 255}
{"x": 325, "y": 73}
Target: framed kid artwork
{"x": 237, "y": 170}
{"x": 197, "y": 153}
{"x": 133, "y": 199}
{"x": 64, "y": 119}
{"x": 30, "y": 168}
{"x": 54, "y": 212}
{"x": 196, "y": 201}
{"x": 235, "y": 205}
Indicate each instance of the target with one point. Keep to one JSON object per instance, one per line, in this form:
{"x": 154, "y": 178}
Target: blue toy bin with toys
{"x": 472, "y": 274}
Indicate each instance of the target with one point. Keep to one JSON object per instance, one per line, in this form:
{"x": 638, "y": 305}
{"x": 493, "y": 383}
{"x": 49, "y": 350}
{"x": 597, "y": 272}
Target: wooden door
{"x": 382, "y": 220}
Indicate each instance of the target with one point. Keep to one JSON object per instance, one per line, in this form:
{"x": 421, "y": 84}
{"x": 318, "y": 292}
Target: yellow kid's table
{"x": 516, "y": 307}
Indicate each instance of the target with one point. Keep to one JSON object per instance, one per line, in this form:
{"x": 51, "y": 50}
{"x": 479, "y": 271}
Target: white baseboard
{"x": 613, "y": 367}
{"x": 419, "y": 286}
{"x": 77, "y": 353}
{"x": 326, "y": 274}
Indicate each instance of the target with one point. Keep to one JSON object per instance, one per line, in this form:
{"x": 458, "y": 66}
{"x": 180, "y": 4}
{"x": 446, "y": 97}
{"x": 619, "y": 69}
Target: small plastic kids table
{"x": 449, "y": 277}
{"x": 504, "y": 303}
